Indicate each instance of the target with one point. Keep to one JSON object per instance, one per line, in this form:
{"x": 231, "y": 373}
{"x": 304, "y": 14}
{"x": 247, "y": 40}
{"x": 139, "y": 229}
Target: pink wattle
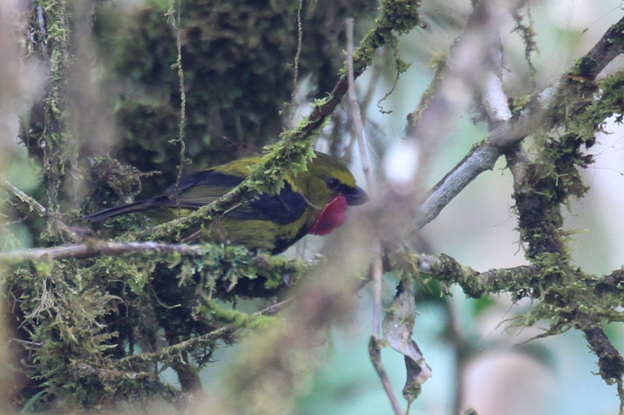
{"x": 331, "y": 217}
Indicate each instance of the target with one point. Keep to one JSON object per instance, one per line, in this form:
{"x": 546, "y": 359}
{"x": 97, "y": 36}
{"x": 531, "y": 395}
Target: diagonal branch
{"x": 483, "y": 156}
{"x": 35, "y": 206}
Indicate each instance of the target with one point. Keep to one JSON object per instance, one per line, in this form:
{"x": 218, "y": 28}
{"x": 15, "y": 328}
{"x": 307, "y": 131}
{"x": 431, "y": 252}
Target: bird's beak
{"x": 356, "y": 196}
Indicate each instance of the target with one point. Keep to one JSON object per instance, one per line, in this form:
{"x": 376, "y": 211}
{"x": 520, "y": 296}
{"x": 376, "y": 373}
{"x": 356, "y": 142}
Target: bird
{"x": 311, "y": 202}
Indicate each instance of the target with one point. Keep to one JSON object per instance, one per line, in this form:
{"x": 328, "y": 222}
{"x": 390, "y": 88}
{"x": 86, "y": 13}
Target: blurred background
{"x": 472, "y": 346}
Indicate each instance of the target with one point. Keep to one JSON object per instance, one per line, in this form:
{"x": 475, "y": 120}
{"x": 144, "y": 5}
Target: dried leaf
{"x": 397, "y": 328}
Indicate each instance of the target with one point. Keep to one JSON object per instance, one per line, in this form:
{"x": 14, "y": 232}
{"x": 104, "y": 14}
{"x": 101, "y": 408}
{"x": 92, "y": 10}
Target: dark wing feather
{"x": 283, "y": 208}
{"x": 203, "y": 179}
{"x": 196, "y": 190}
{"x": 202, "y": 188}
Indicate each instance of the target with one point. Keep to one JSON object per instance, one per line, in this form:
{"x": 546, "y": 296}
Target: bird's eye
{"x": 332, "y": 183}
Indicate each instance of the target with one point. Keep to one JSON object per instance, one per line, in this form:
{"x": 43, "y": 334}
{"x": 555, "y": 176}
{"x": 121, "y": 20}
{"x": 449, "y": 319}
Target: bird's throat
{"x": 332, "y": 216}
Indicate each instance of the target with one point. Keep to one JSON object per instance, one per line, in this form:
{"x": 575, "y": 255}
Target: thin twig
{"x": 492, "y": 94}
{"x": 377, "y": 271}
{"x": 35, "y": 206}
{"x": 377, "y": 263}
{"x": 458, "y": 342}
{"x": 171, "y": 19}
{"x": 374, "y": 351}
{"x": 355, "y": 107}
{"x": 359, "y": 132}
{"x": 199, "y": 341}
{"x": 41, "y": 19}
{"x": 291, "y": 105}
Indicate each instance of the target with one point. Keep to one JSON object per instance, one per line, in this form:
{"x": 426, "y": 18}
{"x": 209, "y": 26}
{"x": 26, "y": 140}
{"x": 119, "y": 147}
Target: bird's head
{"x": 329, "y": 187}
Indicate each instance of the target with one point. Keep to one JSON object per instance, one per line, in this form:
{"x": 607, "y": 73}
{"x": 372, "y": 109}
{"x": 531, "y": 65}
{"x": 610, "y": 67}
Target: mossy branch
{"x": 475, "y": 284}
{"x": 263, "y": 264}
{"x": 528, "y": 120}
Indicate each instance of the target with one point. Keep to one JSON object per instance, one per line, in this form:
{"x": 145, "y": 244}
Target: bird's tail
{"x": 117, "y": 210}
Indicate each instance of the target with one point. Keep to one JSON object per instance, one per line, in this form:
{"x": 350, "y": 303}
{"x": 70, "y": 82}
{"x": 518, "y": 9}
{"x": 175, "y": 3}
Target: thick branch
{"x": 475, "y": 284}
{"x": 609, "y": 359}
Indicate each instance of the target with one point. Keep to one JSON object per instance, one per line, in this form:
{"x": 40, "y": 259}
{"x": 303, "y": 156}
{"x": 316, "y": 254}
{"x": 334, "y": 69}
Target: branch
{"x": 35, "y": 206}
{"x": 610, "y": 361}
{"x": 610, "y": 46}
{"x": 374, "y": 350}
{"x": 475, "y": 284}
{"x": 93, "y": 248}
{"x": 521, "y": 280}
{"x": 483, "y": 156}
{"x": 199, "y": 342}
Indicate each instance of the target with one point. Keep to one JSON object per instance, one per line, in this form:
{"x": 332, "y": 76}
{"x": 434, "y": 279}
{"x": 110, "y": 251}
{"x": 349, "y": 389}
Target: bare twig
{"x": 355, "y": 106}
{"x": 374, "y": 350}
{"x": 494, "y": 99}
{"x": 458, "y": 342}
{"x": 359, "y": 132}
{"x": 491, "y": 89}
{"x": 377, "y": 271}
{"x": 41, "y": 19}
{"x": 377, "y": 262}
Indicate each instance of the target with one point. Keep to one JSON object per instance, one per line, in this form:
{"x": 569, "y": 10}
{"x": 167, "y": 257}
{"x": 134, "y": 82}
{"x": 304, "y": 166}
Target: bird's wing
{"x": 197, "y": 189}
{"x": 202, "y": 188}
{"x": 283, "y": 208}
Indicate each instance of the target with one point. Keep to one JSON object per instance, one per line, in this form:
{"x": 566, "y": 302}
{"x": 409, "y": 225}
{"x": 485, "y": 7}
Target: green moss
{"x": 81, "y": 317}
{"x": 235, "y": 57}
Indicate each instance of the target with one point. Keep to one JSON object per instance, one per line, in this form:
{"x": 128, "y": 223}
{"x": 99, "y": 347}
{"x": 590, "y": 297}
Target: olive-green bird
{"x": 313, "y": 202}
